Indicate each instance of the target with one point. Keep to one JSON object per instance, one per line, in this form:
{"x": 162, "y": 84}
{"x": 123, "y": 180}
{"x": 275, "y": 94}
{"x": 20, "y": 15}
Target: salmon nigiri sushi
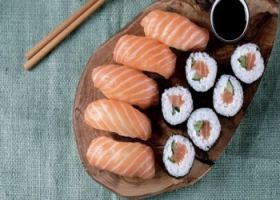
{"x": 122, "y": 158}
{"x": 145, "y": 54}
{"x": 175, "y": 30}
{"x": 118, "y": 117}
{"x": 126, "y": 84}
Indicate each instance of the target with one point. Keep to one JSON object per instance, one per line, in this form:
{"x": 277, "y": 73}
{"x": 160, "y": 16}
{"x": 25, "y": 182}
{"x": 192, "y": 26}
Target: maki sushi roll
{"x": 178, "y": 155}
{"x": 204, "y": 128}
{"x": 177, "y": 105}
{"x": 201, "y": 71}
{"x": 228, "y": 96}
{"x": 247, "y": 63}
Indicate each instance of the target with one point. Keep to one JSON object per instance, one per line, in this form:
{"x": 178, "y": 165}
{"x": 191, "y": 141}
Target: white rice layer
{"x": 185, "y": 110}
{"x": 204, "y": 114}
{"x": 182, "y": 168}
{"x": 247, "y": 76}
{"x": 205, "y": 83}
{"x": 228, "y": 110}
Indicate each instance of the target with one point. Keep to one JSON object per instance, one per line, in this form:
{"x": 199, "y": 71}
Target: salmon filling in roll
{"x": 176, "y": 101}
{"x": 178, "y": 152}
{"x": 248, "y": 61}
{"x": 203, "y": 128}
{"x": 228, "y": 94}
{"x": 201, "y": 70}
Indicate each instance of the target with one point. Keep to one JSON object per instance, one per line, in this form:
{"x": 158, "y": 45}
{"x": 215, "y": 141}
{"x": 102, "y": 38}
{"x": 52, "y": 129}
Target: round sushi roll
{"x": 177, "y": 105}
{"x": 228, "y": 96}
{"x": 178, "y": 155}
{"x": 204, "y": 128}
{"x": 201, "y": 71}
{"x": 247, "y": 63}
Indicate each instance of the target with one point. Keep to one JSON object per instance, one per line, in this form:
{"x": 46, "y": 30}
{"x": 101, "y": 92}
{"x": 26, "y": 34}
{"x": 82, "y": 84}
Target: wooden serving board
{"x": 262, "y": 30}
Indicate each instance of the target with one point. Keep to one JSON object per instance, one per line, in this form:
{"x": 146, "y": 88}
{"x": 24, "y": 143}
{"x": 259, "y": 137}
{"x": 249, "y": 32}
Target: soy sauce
{"x": 229, "y": 19}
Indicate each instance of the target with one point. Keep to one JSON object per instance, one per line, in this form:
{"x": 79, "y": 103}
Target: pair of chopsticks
{"x": 40, "y": 50}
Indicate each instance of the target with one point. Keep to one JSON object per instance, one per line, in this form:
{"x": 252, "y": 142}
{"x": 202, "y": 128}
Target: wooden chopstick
{"x": 58, "y": 29}
{"x": 61, "y": 32}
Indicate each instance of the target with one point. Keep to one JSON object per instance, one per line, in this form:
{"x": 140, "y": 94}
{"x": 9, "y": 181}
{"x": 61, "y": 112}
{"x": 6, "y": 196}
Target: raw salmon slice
{"x": 122, "y": 158}
{"x": 201, "y": 69}
{"x": 145, "y": 54}
{"x": 228, "y": 94}
{"x": 206, "y": 129}
{"x": 179, "y": 153}
{"x": 176, "y": 101}
{"x": 250, "y": 61}
{"x": 175, "y": 31}
{"x": 126, "y": 84}
{"x": 227, "y": 97}
{"x": 118, "y": 117}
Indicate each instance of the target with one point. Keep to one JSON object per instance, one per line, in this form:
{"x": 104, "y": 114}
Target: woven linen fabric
{"x": 38, "y": 154}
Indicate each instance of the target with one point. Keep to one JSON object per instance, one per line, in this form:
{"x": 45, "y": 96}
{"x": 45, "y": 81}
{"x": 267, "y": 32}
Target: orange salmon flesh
{"x": 175, "y": 30}
{"x": 126, "y": 84}
{"x": 122, "y": 158}
{"x": 250, "y": 60}
{"x": 176, "y": 100}
{"x": 206, "y": 129}
{"x": 118, "y": 117}
{"x": 227, "y": 97}
{"x": 201, "y": 69}
{"x": 180, "y": 152}
{"x": 145, "y": 54}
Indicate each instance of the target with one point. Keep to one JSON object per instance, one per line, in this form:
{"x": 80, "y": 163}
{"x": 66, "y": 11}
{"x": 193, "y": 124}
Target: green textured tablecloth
{"x": 38, "y": 155}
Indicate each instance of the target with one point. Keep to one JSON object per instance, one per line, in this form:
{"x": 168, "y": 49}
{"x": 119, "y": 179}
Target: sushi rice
{"x": 196, "y": 123}
{"x": 248, "y": 70}
{"x": 228, "y": 84}
{"x": 181, "y": 167}
{"x": 177, "y": 105}
{"x": 201, "y": 71}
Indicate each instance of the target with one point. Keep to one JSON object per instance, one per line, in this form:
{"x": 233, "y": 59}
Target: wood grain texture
{"x": 262, "y": 30}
